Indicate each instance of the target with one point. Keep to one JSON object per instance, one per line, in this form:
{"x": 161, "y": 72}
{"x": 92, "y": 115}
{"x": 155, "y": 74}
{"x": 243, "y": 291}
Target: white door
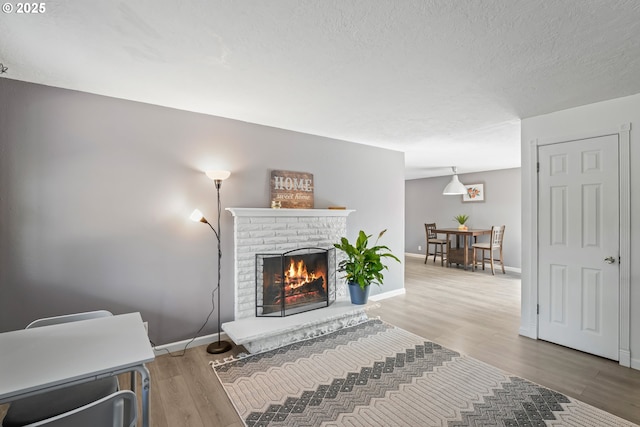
{"x": 578, "y": 273}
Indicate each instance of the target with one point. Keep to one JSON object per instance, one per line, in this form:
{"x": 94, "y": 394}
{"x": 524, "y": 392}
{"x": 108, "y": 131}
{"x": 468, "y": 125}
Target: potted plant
{"x": 461, "y": 221}
{"x": 363, "y": 265}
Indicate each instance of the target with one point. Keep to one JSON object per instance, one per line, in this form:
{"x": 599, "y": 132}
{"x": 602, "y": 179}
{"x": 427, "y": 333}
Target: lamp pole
{"x": 219, "y": 346}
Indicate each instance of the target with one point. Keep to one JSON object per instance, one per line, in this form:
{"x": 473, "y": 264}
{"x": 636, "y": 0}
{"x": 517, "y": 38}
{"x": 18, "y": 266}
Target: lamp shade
{"x": 196, "y": 216}
{"x": 454, "y": 187}
{"x": 218, "y": 175}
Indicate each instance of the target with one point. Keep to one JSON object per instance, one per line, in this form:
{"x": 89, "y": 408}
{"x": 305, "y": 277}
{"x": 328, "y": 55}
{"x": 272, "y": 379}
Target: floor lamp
{"x": 217, "y": 177}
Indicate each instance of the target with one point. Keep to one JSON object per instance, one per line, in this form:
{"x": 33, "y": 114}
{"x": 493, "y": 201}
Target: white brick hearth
{"x": 260, "y": 230}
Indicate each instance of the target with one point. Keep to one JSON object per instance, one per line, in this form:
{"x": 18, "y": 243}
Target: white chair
{"x": 48, "y": 404}
{"x": 497, "y": 236}
{"x": 56, "y": 320}
{"x": 115, "y": 410}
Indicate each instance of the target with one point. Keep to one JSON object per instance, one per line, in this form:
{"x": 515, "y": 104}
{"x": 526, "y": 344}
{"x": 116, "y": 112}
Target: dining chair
{"x": 497, "y": 237}
{"x": 49, "y": 404}
{"x": 432, "y": 239}
{"x": 118, "y": 409}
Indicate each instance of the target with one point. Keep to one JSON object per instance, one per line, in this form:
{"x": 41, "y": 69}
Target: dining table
{"x": 462, "y": 253}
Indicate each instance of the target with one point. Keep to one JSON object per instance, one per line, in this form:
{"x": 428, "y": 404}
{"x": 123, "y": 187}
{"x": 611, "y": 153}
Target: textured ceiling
{"x": 447, "y": 82}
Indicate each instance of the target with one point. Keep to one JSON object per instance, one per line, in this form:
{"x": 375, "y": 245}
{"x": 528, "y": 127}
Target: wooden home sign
{"x": 292, "y": 189}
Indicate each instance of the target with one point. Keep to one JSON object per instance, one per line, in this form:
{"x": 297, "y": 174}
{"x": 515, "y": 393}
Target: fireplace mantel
{"x": 262, "y": 212}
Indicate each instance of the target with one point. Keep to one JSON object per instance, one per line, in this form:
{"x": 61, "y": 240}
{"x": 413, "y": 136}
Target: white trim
{"x": 579, "y": 136}
{"x": 389, "y": 294}
{"x": 529, "y": 305}
{"x": 177, "y": 346}
{"x": 412, "y": 255}
{"x": 526, "y": 332}
{"x": 624, "y": 349}
{"x": 262, "y": 212}
{"x": 529, "y": 325}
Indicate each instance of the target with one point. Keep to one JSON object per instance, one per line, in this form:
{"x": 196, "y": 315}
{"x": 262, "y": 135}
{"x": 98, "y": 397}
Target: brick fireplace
{"x": 264, "y": 230}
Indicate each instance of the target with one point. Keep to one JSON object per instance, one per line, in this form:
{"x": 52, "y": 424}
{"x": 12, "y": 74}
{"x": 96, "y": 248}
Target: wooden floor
{"x": 473, "y": 313}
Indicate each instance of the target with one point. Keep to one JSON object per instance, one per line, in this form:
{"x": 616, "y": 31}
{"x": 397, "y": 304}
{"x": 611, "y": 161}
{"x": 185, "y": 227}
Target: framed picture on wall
{"x": 475, "y": 193}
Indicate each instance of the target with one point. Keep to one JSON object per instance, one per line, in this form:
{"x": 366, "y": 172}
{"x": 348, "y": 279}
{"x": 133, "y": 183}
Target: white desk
{"x": 36, "y": 360}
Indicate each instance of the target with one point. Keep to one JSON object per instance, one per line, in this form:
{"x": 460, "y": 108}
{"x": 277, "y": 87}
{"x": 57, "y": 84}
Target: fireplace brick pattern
{"x": 284, "y": 230}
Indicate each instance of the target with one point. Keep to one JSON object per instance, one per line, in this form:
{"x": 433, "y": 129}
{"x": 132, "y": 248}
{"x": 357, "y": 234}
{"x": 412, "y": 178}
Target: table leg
{"x": 466, "y": 252}
{"x": 145, "y": 380}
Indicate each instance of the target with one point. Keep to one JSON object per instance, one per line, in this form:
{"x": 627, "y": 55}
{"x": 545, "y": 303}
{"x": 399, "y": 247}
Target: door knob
{"x": 609, "y": 260}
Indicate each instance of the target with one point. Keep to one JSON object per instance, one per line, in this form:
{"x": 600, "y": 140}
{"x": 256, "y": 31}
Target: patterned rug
{"x": 375, "y": 374}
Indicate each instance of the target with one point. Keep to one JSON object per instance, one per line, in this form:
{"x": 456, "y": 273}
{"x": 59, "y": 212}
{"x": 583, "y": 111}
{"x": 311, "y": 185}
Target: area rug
{"x": 375, "y": 374}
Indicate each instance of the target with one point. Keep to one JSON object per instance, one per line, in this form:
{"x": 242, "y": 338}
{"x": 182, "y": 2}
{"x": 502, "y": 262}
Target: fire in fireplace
{"x": 294, "y": 281}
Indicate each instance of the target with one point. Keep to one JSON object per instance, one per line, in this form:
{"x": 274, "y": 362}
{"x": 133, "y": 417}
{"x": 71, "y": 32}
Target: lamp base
{"x": 219, "y": 347}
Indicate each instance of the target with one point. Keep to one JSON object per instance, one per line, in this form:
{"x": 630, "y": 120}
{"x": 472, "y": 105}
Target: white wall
{"x": 425, "y": 203}
{"x": 588, "y": 119}
{"x": 95, "y": 195}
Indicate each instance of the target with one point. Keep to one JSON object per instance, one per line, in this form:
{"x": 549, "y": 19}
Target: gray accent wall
{"x": 95, "y": 195}
{"x": 425, "y": 203}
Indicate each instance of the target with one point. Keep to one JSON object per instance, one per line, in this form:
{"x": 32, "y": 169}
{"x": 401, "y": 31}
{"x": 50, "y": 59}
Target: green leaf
{"x": 363, "y": 265}
{"x": 461, "y": 219}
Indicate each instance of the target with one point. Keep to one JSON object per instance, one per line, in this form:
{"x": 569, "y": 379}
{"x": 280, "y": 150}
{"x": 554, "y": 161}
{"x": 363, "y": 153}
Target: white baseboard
{"x": 506, "y": 267}
{"x": 625, "y": 358}
{"x": 180, "y": 345}
{"x": 525, "y": 332}
{"x": 409, "y": 254}
{"x": 635, "y": 364}
{"x": 386, "y": 295}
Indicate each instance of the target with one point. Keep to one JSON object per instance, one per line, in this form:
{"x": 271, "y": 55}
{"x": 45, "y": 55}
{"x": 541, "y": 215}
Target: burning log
{"x": 296, "y": 285}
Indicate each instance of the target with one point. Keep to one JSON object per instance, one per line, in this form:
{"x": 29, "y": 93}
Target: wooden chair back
{"x": 497, "y": 236}
{"x": 429, "y": 228}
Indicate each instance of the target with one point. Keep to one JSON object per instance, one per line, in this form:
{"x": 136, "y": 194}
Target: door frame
{"x": 530, "y": 308}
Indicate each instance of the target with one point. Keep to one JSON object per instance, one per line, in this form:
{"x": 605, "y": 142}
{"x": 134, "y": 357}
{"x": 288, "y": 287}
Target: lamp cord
{"x": 213, "y": 292}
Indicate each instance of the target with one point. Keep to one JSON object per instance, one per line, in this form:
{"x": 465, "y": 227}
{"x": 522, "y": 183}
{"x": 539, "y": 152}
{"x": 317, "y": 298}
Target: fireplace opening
{"x": 295, "y": 281}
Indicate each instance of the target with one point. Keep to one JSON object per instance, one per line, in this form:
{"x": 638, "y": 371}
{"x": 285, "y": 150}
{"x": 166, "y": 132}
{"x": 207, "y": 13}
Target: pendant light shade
{"x": 454, "y": 187}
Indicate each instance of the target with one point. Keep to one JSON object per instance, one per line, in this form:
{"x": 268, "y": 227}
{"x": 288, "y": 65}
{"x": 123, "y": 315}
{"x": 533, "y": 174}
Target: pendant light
{"x": 454, "y": 187}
